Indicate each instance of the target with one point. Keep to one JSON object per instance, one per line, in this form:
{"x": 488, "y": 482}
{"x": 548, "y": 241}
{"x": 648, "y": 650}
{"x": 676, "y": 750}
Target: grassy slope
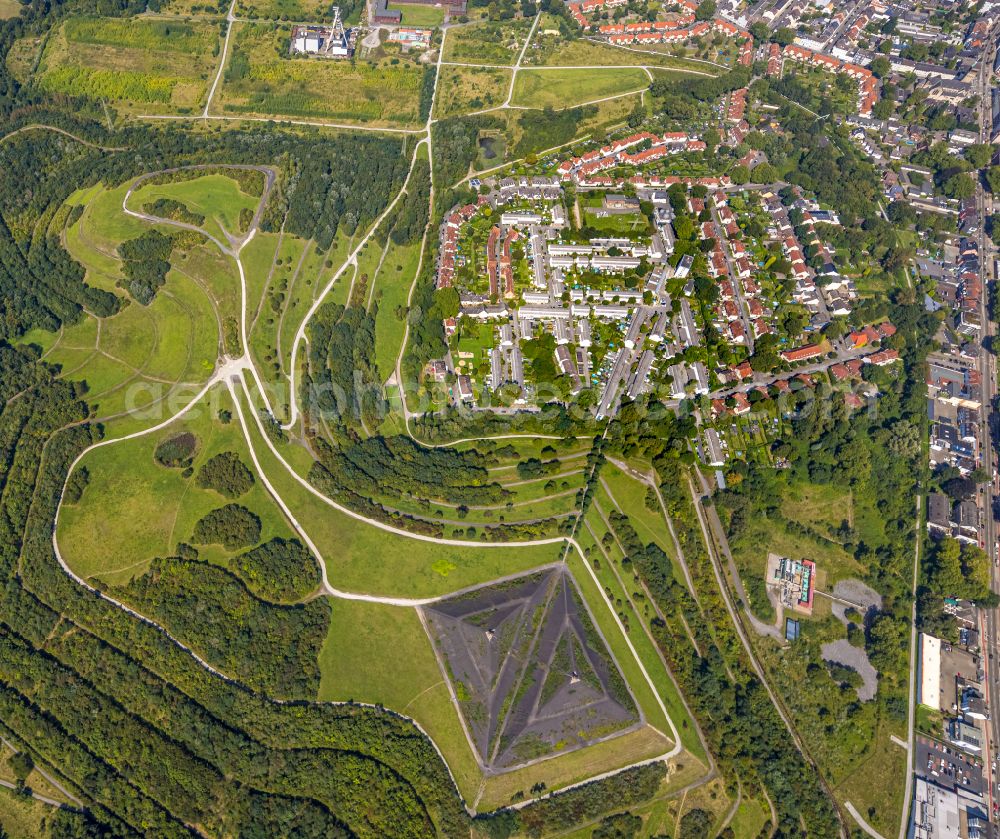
{"x": 22, "y": 817}
{"x": 377, "y": 653}
{"x": 135, "y": 509}
{"x": 218, "y": 198}
{"x": 143, "y": 356}
{"x": 392, "y": 286}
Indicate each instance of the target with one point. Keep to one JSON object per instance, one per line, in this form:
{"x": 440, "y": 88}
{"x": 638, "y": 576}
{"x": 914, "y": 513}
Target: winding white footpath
{"x": 232, "y": 371}
{"x": 351, "y": 260}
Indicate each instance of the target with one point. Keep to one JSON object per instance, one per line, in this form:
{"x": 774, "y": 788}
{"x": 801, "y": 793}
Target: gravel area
{"x": 865, "y": 598}
{"x": 846, "y": 654}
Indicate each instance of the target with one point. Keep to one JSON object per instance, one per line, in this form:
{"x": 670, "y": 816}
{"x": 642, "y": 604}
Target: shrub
{"x": 279, "y": 570}
{"x": 75, "y": 486}
{"x": 226, "y": 474}
{"x": 176, "y": 451}
{"x": 232, "y": 526}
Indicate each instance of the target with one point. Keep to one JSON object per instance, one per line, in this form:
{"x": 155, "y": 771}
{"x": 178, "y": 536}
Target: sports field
{"x": 143, "y": 64}
{"x": 261, "y": 79}
{"x": 419, "y": 14}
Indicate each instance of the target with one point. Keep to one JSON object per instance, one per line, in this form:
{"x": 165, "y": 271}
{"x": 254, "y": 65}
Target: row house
{"x": 867, "y": 83}
{"x": 614, "y": 154}
{"x": 774, "y": 62}
{"x": 746, "y": 53}
{"x": 580, "y": 10}
{"x": 647, "y": 26}
{"x": 737, "y": 105}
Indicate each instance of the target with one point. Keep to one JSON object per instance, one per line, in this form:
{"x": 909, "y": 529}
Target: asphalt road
{"x": 988, "y": 619}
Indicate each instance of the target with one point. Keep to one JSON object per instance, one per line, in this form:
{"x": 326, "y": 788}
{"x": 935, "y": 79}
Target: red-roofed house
{"x": 801, "y": 353}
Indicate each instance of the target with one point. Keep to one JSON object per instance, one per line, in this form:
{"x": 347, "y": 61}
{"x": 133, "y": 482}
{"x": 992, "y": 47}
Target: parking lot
{"x": 949, "y": 767}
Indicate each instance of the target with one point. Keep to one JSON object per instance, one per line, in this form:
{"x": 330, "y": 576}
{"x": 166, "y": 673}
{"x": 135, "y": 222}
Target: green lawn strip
{"x": 217, "y": 273}
{"x": 533, "y": 487}
{"x": 103, "y": 270}
{"x": 368, "y": 261}
{"x": 134, "y": 509}
{"x": 644, "y": 645}
{"x": 434, "y": 509}
{"x": 314, "y": 274}
{"x": 575, "y": 767}
{"x": 571, "y": 87}
{"x": 749, "y": 819}
{"x": 630, "y": 497}
{"x": 603, "y": 613}
{"x": 257, "y": 257}
{"x": 264, "y": 333}
{"x": 392, "y": 287}
{"x": 381, "y": 654}
{"x": 363, "y": 558}
{"x": 342, "y": 288}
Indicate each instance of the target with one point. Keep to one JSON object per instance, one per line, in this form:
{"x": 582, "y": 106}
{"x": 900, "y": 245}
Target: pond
{"x": 489, "y": 147}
